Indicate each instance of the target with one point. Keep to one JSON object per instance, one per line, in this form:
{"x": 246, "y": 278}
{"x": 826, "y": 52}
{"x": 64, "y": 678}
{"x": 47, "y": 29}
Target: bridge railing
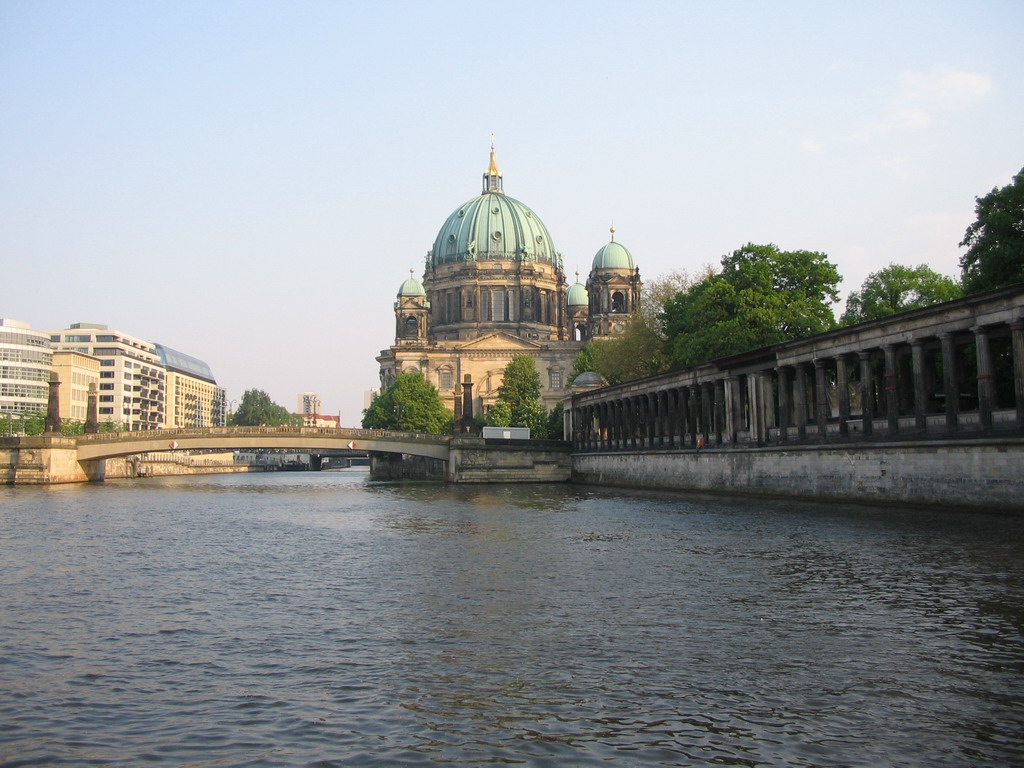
{"x": 193, "y": 432}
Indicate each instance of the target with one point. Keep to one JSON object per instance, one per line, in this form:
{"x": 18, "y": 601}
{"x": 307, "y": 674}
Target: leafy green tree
{"x": 518, "y": 400}
{"x": 637, "y": 352}
{"x": 762, "y": 296}
{"x": 555, "y": 427}
{"x": 995, "y": 242}
{"x": 31, "y": 423}
{"x": 897, "y": 288}
{"x": 69, "y": 427}
{"x": 584, "y": 361}
{"x": 410, "y": 404}
{"x": 257, "y": 409}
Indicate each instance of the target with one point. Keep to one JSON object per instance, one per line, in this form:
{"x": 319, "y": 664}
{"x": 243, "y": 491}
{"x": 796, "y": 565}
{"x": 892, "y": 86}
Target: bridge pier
{"x": 43, "y": 460}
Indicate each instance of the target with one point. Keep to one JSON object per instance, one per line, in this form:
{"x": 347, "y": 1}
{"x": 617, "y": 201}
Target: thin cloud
{"x": 920, "y": 95}
{"x": 906, "y": 119}
{"x": 947, "y": 88}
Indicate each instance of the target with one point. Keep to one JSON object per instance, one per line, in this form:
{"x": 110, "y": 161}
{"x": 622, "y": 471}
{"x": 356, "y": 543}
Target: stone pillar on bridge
{"x": 92, "y": 420}
{"x": 53, "y": 406}
{"x": 467, "y": 404}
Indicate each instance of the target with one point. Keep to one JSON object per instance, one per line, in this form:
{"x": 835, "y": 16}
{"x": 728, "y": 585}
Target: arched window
{"x": 412, "y": 328}
{"x": 618, "y": 303}
{"x": 581, "y": 332}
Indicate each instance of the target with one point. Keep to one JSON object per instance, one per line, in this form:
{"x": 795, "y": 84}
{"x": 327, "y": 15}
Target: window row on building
{"x": 138, "y": 384}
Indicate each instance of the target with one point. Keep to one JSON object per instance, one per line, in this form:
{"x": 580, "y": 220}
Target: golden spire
{"x": 492, "y": 170}
{"x": 492, "y": 176}
{"x": 612, "y": 230}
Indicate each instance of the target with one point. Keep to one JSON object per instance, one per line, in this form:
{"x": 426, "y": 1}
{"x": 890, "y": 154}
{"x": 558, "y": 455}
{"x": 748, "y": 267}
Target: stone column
{"x": 920, "y": 386}
{"x": 467, "y": 403}
{"x": 706, "y": 408}
{"x": 949, "y": 379}
{"x": 653, "y": 433}
{"x": 986, "y": 384}
{"x": 53, "y": 406}
{"x": 800, "y": 400}
{"x": 685, "y": 441}
{"x": 735, "y": 409}
{"x": 661, "y": 398}
{"x": 671, "y": 419}
{"x": 821, "y": 409}
{"x": 718, "y": 391}
{"x": 629, "y": 423}
{"x": 1017, "y": 336}
{"x": 867, "y": 394}
{"x": 785, "y": 402}
{"x": 843, "y": 394}
{"x": 92, "y": 416}
{"x": 639, "y": 411}
{"x": 892, "y": 402}
{"x": 760, "y": 412}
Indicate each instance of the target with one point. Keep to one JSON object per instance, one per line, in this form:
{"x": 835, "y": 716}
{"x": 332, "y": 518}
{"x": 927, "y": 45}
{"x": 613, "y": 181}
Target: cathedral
{"x": 493, "y": 287}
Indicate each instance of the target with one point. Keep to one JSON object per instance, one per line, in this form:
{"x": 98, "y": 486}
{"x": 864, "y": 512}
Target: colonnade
{"x": 954, "y": 371}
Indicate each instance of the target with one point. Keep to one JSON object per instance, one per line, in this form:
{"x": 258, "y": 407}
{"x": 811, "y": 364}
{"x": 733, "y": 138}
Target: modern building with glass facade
{"x": 193, "y": 397}
{"x": 26, "y": 357}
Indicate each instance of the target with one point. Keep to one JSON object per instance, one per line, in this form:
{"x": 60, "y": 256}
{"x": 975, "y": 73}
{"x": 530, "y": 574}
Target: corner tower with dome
{"x": 493, "y": 287}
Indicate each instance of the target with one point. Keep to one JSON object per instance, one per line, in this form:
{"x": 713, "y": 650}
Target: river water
{"x": 321, "y": 619}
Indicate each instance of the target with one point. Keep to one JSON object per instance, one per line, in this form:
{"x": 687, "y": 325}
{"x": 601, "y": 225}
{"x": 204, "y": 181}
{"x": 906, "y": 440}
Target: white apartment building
{"x": 132, "y": 378}
{"x": 25, "y": 359}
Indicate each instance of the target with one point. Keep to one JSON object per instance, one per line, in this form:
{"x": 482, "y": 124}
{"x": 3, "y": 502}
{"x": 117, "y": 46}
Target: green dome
{"x": 577, "y": 296}
{"x": 614, "y": 256}
{"x": 494, "y": 226}
{"x": 412, "y": 287}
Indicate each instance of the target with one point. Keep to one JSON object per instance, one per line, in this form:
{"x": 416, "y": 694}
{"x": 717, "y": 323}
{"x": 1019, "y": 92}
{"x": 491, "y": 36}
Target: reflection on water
{"x": 323, "y": 619}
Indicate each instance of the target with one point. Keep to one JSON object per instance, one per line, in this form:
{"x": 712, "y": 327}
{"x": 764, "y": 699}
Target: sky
{"x": 250, "y": 182}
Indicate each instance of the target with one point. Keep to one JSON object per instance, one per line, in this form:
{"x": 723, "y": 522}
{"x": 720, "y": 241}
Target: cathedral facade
{"x": 494, "y": 287}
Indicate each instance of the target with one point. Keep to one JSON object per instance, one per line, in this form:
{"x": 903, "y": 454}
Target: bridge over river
{"x": 305, "y": 439}
{"x": 463, "y": 459}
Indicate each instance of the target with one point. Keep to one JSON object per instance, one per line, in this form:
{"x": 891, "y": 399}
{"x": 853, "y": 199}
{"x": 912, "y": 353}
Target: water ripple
{"x": 323, "y": 620}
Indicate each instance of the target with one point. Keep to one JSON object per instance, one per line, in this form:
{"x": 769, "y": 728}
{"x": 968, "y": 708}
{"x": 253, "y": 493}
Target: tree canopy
{"x": 995, "y": 241}
{"x": 410, "y": 404}
{"x": 633, "y": 354}
{"x": 257, "y": 409}
{"x": 897, "y": 288}
{"x": 762, "y": 296}
{"x": 518, "y": 403}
